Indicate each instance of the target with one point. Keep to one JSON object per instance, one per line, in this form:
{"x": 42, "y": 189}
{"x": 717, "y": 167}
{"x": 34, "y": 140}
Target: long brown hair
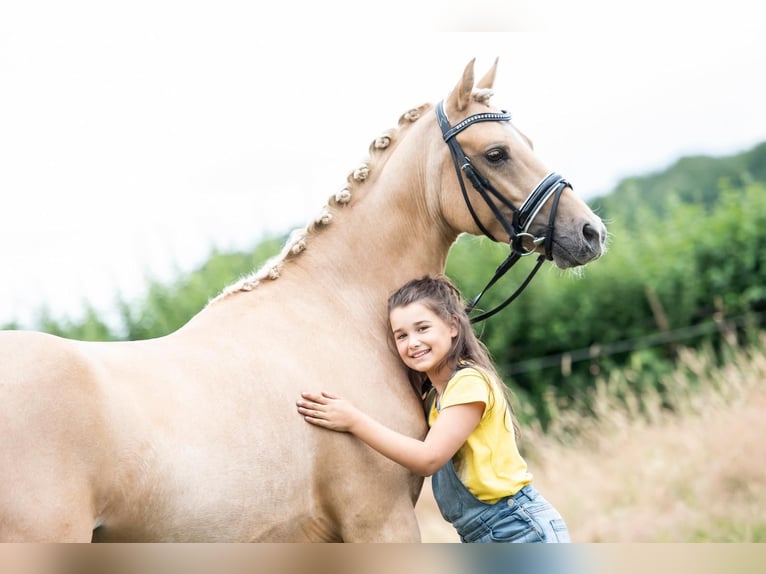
{"x": 442, "y": 297}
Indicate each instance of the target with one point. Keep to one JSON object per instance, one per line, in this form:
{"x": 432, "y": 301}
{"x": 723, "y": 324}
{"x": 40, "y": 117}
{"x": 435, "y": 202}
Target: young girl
{"x": 479, "y": 479}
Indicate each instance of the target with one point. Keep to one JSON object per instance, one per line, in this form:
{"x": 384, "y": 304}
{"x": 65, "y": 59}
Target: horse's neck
{"x": 378, "y": 243}
{"x": 348, "y": 267}
{"x": 386, "y": 235}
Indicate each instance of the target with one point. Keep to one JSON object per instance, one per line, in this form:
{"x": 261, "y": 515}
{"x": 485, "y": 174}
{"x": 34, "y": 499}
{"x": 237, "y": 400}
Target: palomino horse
{"x": 194, "y": 436}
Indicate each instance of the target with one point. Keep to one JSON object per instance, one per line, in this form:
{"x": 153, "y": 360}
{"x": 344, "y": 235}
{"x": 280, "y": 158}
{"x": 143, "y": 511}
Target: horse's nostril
{"x": 591, "y": 235}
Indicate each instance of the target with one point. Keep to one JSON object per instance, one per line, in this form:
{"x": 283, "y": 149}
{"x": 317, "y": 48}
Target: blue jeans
{"x": 524, "y": 517}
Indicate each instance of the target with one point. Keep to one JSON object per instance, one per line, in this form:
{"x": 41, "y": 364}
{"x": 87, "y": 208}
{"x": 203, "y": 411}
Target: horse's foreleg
{"x": 391, "y": 521}
{"x": 400, "y": 526}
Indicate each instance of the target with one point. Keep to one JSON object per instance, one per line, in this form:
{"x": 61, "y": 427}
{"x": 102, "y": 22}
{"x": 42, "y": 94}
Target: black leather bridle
{"x": 521, "y": 242}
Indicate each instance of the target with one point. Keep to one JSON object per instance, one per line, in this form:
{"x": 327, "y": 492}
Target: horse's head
{"x": 498, "y": 186}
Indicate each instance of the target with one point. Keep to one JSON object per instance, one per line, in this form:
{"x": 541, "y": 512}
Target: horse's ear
{"x": 460, "y": 97}
{"x": 489, "y": 78}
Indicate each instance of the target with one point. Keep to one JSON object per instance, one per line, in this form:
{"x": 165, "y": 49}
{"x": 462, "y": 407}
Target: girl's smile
{"x": 423, "y": 338}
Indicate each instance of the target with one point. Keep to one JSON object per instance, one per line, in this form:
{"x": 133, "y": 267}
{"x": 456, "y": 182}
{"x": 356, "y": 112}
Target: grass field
{"x": 689, "y": 468}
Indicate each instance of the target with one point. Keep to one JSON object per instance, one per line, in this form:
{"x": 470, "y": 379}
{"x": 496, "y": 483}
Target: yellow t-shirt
{"x": 489, "y": 463}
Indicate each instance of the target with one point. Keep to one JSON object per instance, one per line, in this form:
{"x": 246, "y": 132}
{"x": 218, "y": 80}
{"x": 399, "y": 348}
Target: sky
{"x": 135, "y": 138}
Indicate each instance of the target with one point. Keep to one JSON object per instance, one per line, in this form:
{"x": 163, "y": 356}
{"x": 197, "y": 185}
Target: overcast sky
{"x": 134, "y": 140}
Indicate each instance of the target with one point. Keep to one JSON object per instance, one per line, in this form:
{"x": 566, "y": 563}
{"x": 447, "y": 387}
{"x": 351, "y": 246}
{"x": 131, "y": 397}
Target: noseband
{"x": 521, "y": 242}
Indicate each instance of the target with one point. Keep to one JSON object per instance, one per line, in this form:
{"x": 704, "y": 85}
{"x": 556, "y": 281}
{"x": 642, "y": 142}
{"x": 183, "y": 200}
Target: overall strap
{"x": 428, "y": 400}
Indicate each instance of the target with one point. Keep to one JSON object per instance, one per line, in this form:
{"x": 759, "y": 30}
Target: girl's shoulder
{"x": 469, "y": 381}
{"x": 481, "y": 380}
{"x": 468, "y": 369}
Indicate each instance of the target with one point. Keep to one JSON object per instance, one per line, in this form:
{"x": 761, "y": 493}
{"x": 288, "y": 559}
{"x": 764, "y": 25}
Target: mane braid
{"x": 298, "y": 239}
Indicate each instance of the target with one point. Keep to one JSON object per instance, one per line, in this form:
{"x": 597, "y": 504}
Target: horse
{"x": 193, "y": 436}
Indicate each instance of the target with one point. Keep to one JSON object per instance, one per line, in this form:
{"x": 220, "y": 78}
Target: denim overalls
{"x": 523, "y": 517}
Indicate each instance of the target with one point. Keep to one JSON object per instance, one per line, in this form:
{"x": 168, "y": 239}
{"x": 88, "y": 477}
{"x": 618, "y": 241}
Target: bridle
{"x": 521, "y": 242}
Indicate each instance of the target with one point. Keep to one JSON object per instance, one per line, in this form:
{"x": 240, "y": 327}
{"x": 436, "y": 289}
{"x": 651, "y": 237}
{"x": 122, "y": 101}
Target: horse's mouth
{"x": 566, "y": 257}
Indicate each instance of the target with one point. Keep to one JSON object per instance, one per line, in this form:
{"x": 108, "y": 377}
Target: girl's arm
{"x": 423, "y": 457}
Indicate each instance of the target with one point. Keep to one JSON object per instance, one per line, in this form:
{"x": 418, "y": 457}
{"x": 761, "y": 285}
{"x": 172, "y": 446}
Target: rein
{"x": 521, "y": 242}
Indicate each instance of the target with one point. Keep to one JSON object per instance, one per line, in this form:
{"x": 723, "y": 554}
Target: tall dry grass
{"x": 689, "y": 467}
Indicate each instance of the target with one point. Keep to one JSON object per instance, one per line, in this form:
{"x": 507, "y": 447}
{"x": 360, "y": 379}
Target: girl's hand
{"x": 423, "y": 457}
{"x": 327, "y": 411}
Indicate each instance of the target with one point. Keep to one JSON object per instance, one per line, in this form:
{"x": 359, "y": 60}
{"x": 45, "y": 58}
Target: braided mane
{"x": 299, "y": 239}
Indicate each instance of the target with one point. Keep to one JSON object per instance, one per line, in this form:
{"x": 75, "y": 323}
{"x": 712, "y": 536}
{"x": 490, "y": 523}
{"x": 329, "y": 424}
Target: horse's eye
{"x": 496, "y": 155}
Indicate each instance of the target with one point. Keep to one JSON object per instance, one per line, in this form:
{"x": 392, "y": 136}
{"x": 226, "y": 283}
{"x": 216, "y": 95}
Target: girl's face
{"x": 422, "y": 338}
